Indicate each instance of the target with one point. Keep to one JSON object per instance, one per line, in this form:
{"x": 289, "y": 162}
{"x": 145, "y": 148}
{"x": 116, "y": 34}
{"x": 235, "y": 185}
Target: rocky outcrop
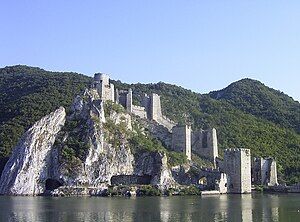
{"x": 85, "y": 149}
{"x": 28, "y": 167}
{"x": 156, "y": 165}
{"x": 157, "y": 131}
{"x": 103, "y": 160}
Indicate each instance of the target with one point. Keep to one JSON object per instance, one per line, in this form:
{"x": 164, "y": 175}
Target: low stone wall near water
{"x": 130, "y": 180}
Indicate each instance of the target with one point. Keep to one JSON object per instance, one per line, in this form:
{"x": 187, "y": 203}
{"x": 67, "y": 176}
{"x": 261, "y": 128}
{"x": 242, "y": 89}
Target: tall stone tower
{"x": 181, "y": 140}
{"x": 237, "y": 166}
{"x": 129, "y": 101}
{"x": 155, "y": 107}
{"x": 105, "y": 89}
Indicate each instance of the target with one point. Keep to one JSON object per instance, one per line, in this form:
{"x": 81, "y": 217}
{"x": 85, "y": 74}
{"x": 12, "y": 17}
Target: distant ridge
{"x": 253, "y": 97}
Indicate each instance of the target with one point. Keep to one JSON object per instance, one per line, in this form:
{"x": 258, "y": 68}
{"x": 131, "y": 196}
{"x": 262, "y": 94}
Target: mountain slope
{"x": 27, "y": 94}
{"x": 236, "y": 128}
{"x": 253, "y": 97}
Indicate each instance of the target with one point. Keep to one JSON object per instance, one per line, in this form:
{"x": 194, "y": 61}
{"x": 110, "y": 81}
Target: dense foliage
{"x": 253, "y": 97}
{"x": 246, "y": 114}
{"x": 27, "y": 94}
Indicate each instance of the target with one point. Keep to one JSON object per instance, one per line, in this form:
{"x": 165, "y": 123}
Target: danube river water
{"x": 255, "y": 207}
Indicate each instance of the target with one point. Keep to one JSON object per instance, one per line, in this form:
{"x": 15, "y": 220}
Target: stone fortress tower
{"x": 124, "y": 98}
{"x": 181, "y": 140}
{"x": 202, "y": 142}
{"x": 237, "y": 166}
{"x": 234, "y": 168}
{"x": 264, "y": 171}
{"x": 105, "y": 89}
{"x": 205, "y": 143}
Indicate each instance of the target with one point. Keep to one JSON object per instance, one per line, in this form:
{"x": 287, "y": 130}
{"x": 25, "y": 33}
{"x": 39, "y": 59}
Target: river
{"x": 255, "y": 207}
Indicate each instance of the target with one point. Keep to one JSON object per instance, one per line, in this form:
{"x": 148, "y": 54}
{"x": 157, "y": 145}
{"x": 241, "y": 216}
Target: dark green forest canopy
{"x": 253, "y": 97}
{"x": 27, "y": 94}
{"x": 247, "y": 114}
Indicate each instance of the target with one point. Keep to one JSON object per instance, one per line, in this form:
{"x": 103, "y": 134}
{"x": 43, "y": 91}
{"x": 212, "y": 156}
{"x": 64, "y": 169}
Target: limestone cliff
{"x": 98, "y": 160}
{"x": 27, "y": 169}
{"x": 156, "y": 165}
{"x": 85, "y": 148}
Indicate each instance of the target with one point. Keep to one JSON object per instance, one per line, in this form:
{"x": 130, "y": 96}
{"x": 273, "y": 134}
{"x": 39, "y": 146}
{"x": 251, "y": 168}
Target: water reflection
{"x": 255, "y": 207}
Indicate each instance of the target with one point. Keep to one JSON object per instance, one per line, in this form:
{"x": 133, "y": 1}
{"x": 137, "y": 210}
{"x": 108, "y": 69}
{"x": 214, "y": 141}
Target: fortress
{"x": 232, "y": 174}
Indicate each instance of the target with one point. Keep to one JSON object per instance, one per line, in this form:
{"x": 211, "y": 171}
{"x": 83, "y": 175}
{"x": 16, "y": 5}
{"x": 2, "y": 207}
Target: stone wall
{"x": 166, "y": 122}
{"x": 139, "y": 111}
{"x": 221, "y": 184}
{"x": 124, "y": 98}
{"x": 237, "y": 166}
{"x": 157, "y": 131}
{"x": 181, "y": 140}
{"x": 155, "y": 107}
{"x": 152, "y": 106}
{"x": 205, "y": 144}
{"x": 264, "y": 171}
{"x": 131, "y": 180}
{"x": 294, "y": 188}
{"x": 105, "y": 89}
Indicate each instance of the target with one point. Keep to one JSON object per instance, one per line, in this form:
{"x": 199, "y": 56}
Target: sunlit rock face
{"x": 46, "y": 153}
{"x": 102, "y": 159}
{"x": 28, "y": 167}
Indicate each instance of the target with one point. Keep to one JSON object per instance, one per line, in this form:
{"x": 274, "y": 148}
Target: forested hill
{"x": 253, "y": 97}
{"x": 246, "y": 114}
{"x": 27, "y": 94}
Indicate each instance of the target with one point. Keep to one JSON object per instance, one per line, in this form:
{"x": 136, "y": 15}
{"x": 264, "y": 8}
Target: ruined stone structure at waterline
{"x": 234, "y": 170}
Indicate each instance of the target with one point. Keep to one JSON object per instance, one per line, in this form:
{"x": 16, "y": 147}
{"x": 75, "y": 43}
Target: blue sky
{"x": 200, "y": 45}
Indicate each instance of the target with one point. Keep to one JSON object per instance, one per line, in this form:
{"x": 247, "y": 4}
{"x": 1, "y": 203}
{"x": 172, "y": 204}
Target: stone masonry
{"x": 105, "y": 89}
{"x": 237, "y": 166}
{"x": 264, "y": 171}
{"x": 205, "y": 144}
{"x": 181, "y": 140}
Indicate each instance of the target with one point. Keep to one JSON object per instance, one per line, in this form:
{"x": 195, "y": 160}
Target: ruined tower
{"x": 105, "y": 89}
{"x": 205, "y": 143}
{"x": 237, "y": 166}
{"x": 124, "y": 98}
{"x": 181, "y": 140}
{"x": 153, "y": 109}
{"x": 264, "y": 171}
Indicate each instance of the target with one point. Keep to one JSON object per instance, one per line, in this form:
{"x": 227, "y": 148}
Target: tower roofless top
{"x": 98, "y": 77}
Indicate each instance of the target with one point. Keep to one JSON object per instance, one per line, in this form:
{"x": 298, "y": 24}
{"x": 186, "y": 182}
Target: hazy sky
{"x": 200, "y": 45}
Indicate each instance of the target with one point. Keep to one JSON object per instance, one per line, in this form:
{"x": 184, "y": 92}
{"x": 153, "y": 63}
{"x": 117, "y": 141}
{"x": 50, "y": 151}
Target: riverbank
{"x": 123, "y": 191}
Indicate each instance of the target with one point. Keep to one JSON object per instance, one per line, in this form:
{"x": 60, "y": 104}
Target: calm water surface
{"x": 255, "y": 207}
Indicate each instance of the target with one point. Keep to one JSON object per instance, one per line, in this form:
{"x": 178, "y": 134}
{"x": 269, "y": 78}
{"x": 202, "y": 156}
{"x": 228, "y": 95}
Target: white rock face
{"x": 28, "y": 167}
{"x": 105, "y": 153}
{"x": 103, "y": 160}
